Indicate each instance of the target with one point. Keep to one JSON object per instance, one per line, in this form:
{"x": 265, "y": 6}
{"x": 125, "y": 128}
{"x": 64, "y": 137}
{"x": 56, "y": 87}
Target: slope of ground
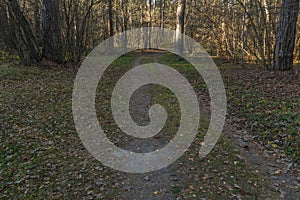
{"x": 42, "y": 156}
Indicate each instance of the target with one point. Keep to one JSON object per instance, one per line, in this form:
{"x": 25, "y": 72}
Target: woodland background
{"x": 67, "y": 30}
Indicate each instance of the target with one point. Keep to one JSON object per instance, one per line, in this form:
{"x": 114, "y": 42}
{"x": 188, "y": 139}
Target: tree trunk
{"x": 110, "y": 16}
{"x": 25, "y": 42}
{"x": 161, "y": 13}
{"x": 285, "y": 38}
{"x": 243, "y": 34}
{"x": 265, "y": 9}
{"x": 150, "y": 23}
{"x": 179, "y": 26}
{"x": 124, "y": 22}
{"x": 51, "y": 32}
{"x": 37, "y": 22}
{"x": 110, "y": 21}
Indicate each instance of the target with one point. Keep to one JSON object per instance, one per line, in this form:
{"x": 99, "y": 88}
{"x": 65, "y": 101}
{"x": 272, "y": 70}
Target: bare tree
{"x": 20, "y": 36}
{"x": 37, "y": 21}
{"x": 179, "y": 26}
{"x": 286, "y": 34}
{"x": 162, "y": 5}
{"x": 110, "y": 18}
{"x": 124, "y": 14}
{"x": 111, "y": 22}
{"x": 51, "y": 35}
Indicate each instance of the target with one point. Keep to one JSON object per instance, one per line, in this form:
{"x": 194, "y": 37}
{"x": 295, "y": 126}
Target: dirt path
{"x": 283, "y": 174}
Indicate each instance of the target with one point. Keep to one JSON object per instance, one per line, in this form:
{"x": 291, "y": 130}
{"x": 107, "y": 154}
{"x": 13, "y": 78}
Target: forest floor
{"x": 41, "y": 155}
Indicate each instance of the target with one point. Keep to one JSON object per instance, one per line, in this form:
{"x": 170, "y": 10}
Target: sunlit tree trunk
{"x": 161, "y": 13}
{"x": 146, "y": 23}
{"x": 243, "y": 33}
{"x": 179, "y": 26}
{"x": 265, "y": 10}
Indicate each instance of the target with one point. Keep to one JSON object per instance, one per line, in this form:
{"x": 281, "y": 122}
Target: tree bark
{"x": 150, "y": 23}
{"x": 286, "y": 34}
{"x": 37, "y": 22}
{"x": 180, "y": 26}
{"x": 124, "y": 20}
{"x": 110, "y": 18}
{"x": 51, "y": 31}
{"x": 161, "y": 13}
{"x": 25, "y": 42}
